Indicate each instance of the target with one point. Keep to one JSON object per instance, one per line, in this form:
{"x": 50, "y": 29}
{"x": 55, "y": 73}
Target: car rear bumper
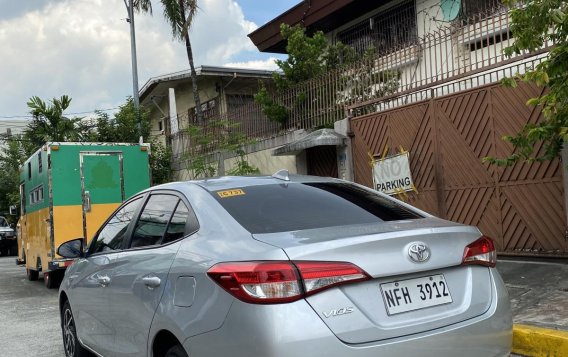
{"x": 293, "y": 329}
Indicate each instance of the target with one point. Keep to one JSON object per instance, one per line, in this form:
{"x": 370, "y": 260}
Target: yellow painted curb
{"x": 536, "y": 342}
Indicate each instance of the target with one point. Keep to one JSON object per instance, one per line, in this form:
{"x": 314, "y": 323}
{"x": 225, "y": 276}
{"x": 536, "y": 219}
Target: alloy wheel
{"x": 69, "y": 333}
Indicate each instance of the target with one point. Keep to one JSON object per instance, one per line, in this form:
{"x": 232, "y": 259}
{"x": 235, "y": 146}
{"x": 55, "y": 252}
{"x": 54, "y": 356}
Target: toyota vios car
{"x": 281, "y": 266}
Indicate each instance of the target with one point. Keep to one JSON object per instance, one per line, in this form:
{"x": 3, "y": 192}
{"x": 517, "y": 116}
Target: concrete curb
{"x": 536, "y": 342}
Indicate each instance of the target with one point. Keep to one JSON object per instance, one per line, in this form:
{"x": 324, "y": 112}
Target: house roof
{"x": 315, "y": 15}
{"x": 203, "y": 71}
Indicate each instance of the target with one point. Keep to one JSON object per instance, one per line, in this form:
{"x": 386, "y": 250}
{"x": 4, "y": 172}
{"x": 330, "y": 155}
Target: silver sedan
{"x": 281, "y": 266}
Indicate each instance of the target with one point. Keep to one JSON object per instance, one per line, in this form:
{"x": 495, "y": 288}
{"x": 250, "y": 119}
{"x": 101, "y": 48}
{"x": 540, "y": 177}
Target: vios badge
{"x": 419, "y": 252}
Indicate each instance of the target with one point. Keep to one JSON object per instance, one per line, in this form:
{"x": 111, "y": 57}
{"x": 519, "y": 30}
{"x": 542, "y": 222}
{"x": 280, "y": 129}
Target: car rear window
{"x": 297, "y": 206}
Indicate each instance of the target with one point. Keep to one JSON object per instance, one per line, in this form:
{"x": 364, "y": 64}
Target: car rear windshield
{"x": 297, "y": 206}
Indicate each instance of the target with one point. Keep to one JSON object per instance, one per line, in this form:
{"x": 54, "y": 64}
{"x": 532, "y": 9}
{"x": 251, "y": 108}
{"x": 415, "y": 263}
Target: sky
{"x": 81, "y": 48}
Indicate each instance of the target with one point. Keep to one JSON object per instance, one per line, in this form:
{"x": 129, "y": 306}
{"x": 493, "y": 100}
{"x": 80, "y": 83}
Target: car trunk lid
{"x": 374, "y": 310}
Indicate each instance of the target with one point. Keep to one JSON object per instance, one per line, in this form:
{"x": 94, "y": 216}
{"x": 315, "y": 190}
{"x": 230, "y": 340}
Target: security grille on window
{"x": 238, "y": 100}
{"x": 387, "y": 31}
{"x": 476, "y": 9}
{"x": 210, "y": 111}
{"x": 39, "y": 163}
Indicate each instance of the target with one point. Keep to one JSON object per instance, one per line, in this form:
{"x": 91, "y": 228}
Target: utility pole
{"x": 135, "y": 96}
{"x": 130, "y": 20}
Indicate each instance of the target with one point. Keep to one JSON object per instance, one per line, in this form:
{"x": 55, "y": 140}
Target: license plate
{"x": 414, "y": 294}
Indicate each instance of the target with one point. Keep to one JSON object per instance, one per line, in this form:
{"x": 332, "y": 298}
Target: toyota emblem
{"x": 419, "y": 252}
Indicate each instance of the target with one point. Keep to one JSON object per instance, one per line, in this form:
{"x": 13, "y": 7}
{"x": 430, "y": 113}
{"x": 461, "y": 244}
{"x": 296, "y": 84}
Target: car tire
{"x": 33, "y": 275}
{"x": 52, "y": 279}
{"x": 71, "y": 344}
{"x": 176, "y": 351}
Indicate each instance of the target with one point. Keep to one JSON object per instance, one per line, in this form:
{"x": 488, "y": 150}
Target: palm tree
{"x": 48, "y": 122}
{"x": 179, "y": 14}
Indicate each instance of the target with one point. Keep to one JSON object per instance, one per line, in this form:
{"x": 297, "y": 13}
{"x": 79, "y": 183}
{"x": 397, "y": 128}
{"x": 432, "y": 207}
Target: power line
{"x": 76, "y": 113}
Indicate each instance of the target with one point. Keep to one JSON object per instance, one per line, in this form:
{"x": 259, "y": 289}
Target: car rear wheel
{"x": 33, "y": 275}
{"x": 70, "y": 342}
{"x": 176, "y": 351}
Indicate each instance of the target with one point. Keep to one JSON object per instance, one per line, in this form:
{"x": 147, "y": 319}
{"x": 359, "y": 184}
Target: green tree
{"x": 126, "y": 126}
{"x": 49, "y": 123}
{"x": 160, "y": 163}
{"x": 179, "y": 14}
{"x": 12, "y": 154}
{"x": 535, "y": 24}
{"x": 313, "y": 56}
{"x": 222, "y": 135}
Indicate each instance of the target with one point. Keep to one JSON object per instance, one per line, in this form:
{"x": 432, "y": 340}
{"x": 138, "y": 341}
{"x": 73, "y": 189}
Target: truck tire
{"x": 33, "y": 275}
{"x": 52, "y": 279}
{"x": 71, "y": 344}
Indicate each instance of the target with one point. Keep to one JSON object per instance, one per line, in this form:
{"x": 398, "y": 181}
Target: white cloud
{"x": 82, "y": 48}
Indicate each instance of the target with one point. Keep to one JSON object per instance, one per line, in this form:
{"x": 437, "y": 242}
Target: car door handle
{"x": 103, "y": 280}
{"x": 151, "y": 281}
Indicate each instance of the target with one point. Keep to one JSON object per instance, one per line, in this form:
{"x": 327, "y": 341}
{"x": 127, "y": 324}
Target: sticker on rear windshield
{"x": 230, "y": 193}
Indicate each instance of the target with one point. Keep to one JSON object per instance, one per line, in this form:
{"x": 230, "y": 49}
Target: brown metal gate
{"x": 521, "y": 207}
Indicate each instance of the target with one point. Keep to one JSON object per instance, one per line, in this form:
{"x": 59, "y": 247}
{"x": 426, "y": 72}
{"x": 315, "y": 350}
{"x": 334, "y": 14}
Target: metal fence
{"x": 465, "y": 48}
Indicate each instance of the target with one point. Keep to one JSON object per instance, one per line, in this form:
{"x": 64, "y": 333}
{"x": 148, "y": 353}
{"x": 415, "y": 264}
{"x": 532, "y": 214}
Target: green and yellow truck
{"x": 67, "y": 191}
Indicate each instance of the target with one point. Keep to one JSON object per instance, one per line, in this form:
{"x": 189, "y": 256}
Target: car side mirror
{"x": 72, "y": 249}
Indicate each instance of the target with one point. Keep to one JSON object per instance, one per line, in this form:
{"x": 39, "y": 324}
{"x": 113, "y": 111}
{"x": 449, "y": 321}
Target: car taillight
{"x": 323, "y": 275}
{"x": 274, "y": 282}
{"x": 480, "y": 252}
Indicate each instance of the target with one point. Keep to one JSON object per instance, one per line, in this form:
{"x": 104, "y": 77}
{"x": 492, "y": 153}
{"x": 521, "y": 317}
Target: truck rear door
{"x": 102, "y": 188}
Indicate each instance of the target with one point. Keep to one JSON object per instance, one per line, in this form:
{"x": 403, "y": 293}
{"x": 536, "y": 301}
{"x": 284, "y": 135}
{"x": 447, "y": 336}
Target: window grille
{"x": 238, "y": 100}
{"x": 384, "y": 32}
{"x": 210, "y": 110}
{"x": 479, "y": 9}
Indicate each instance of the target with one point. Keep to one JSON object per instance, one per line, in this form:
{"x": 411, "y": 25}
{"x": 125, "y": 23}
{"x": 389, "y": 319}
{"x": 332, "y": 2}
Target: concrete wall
{"x": 266, "y": 163}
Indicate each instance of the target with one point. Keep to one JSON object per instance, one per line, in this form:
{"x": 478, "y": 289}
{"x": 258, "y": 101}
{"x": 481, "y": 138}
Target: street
{"x": 29, "y": 316}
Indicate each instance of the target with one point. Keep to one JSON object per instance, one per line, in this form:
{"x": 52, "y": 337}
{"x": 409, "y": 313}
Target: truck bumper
{"x": 59, "y": 264}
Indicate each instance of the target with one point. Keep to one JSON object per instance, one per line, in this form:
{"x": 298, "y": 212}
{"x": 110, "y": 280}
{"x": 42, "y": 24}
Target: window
{"x": 386, "y": 32}
{"x": 36, "y": 195}
{"x": 295, "y": 206}
{"x": 480, "y": 8}
{"x": 39, "y": 163}
{"x": 154, "y": 220}
{"x": 238, "y": 100}
{"x": 176, "y": 228}
{"x": 113, "y": 233}
{"x": 29, "y": 170}
{"x": 210, "y": 111}
{"x": 160, "y": 125}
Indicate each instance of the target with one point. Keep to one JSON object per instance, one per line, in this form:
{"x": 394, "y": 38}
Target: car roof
{"x": 229, "y": 182}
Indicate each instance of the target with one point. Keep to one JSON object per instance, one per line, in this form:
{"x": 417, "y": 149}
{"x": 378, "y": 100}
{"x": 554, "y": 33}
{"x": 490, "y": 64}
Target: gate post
{"x": 344, "y": 153}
